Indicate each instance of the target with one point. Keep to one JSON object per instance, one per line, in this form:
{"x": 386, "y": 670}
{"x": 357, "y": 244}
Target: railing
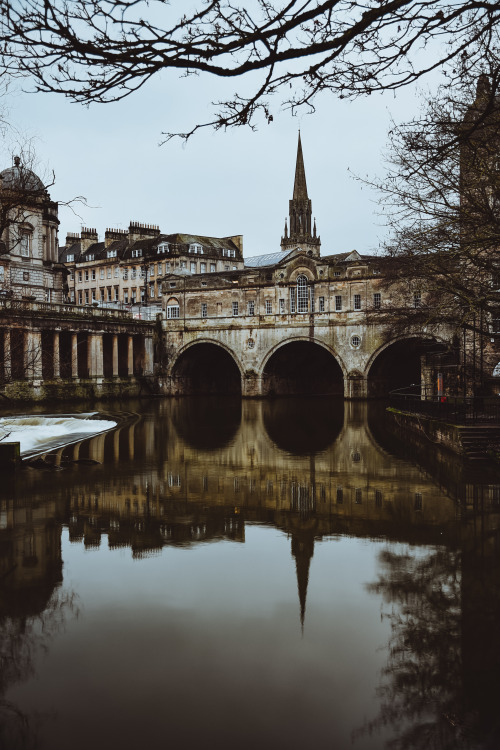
{"x": 450, "y": 408}
{"x": 25, "y": 306}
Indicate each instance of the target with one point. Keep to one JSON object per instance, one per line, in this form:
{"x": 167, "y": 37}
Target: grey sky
{"x": 237, "y": 182}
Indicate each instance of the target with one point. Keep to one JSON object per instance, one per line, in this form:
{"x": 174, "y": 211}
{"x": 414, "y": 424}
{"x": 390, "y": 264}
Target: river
{"x": 280, "y": 574}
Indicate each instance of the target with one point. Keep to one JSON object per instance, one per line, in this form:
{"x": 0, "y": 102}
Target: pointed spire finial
{"x": 314, "y": 229}
{"x": 300, "y": 185}
{"x": 286, "y": 228}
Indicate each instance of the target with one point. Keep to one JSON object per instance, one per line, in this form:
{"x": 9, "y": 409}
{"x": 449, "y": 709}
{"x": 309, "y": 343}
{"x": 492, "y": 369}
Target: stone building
{"x": 296, "y": 322}
{"x": 29, "y": 267}
{"x": 128, "y": 266}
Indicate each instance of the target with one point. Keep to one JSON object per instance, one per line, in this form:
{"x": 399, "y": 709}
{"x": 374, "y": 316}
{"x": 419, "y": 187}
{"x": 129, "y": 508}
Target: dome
{"x": 20, "y": 178}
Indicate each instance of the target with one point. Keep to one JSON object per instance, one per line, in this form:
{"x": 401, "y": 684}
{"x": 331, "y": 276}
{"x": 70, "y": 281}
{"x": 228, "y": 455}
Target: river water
{"x": 227, "y": 574}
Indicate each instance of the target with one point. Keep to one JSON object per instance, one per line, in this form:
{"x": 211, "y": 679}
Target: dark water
{"x": 214, "y": 573}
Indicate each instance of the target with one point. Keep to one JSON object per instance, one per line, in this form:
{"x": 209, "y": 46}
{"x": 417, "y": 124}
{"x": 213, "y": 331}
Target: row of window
{"x": 90, "y": 274}
{"x": 112, "y": 294}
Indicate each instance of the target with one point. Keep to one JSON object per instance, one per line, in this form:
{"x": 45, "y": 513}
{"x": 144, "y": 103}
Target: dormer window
{"x": 195, "y": 248}
{"x": 111, "y": 254}
{"x": 163, "y": 248}
{"x": 228, "y": 252}
{"x": 70, "y": 258}
{"x": 137, "y": 253}
{"x": 90, "y": 257}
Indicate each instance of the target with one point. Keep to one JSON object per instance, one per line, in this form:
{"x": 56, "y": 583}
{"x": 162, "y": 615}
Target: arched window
{"x": 299, "y": 295}
{"x": 173, "y": 310}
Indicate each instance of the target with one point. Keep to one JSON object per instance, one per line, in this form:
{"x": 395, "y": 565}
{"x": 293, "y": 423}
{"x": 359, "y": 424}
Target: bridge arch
{"x": 302, "y": 366}
{"x": 206, "y": 366}
{"x": 398, "y": 362}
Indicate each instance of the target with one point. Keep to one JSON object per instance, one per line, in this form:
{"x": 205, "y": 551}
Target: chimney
{"x": 88, "y": 237}
{"x": 137, "y": 231}
{"x": 238, "y": 241}
{"x": 71, "y": 238}
{"x": 111, "y": 235}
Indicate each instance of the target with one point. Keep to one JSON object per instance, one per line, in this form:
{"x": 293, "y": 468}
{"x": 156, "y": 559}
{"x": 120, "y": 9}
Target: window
{"x": 321, "y": 304}
{"x": 133, "y": 273}
{"x": 357, "y": 301}
{"x": 80, "y": 298}
{"x": 337, "y": 273}
{"x": 204, "y": 310}
{"x": 183, "y": 264}
{"x": 226, "y": 268}
{"x": 71, "y": 275}
{"x": 163, "y": 248}
{"x": 80, "y": 276}
{"x": 173, "y": 310}
{"x": 340, "y": 495}
{"x": 358, "y": 496}
{"x": 90, "y": 257}
{"x": 195, "y": 248}
{"x": 134, "y": 296}
{"x": 355, "y": 341}
{"x": 193, "y": 267}
{"x": 117, "y": 294}
{"x": 251, "y": 307}
{"x": 111, "y": 254}
{"x": 302, "y": 294}
{"x": 117, "y": 272}
{"x": 137, "y": 253}
{"x": 152, "y": 290}
{"x": 93, "y": 295}
{"x": 93, "y": 274}
{"x": 228, "y": 252}
{"x": 338, "y": 303}
{"x": 125, "y": 273}
{"x": 109, "y": 272}
{"x": 86, "y": 275}
{"x": 377, "y": 298}
{"x": 282, "y": 306}
{"x": 235, "y": 308}
{"x": 269, "y": 307}
{"x": 109, "y": 294}
{"x": 417, "y": 299}
{"x": 125, "y": 296}
{"x": 102, "y": 295}
{"x": 70, "y": 258}
{"x": 86, "y": 296}
{"x": 203, "y": 267}
{"x": 212, "y": 267}
{"x": 151, "y": 270}
{"x": 101, "y": 273}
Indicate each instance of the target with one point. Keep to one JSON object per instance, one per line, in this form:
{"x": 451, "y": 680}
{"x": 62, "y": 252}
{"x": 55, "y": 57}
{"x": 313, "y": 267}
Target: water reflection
{"x": 181, "y": 474}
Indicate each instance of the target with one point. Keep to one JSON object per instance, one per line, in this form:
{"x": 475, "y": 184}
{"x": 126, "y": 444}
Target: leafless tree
{"x": 102, "y": 51}
{"x": 440, "y": 200}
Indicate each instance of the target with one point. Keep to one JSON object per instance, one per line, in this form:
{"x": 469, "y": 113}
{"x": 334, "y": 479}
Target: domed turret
{"x": 20, "y": 177}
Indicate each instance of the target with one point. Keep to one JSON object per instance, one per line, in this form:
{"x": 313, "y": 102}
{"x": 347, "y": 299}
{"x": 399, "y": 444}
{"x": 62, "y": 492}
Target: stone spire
{"x": 300, "y": 213}
{"x": 302, "y": 551}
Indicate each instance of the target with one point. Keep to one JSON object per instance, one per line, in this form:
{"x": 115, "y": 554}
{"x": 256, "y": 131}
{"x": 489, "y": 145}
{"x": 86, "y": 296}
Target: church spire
{"x": 300, "y": 185}
{"x": 302, "y": 551}
{"x": 299, "y": 234}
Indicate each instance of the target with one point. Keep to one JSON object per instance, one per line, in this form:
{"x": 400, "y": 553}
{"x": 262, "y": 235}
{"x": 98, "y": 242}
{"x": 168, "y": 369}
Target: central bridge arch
{"x": 206, "y": 367}
{"x": 302, "y": 367}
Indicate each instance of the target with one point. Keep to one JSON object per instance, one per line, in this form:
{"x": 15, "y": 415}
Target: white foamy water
{"x": 38, "y": 433}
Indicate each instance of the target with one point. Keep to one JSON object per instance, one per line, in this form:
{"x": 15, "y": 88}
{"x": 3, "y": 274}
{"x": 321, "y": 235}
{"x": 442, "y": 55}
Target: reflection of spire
{"x": 302, "y": 550}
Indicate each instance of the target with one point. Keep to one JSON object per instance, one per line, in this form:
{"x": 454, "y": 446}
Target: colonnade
{"x": 34, "y": 354}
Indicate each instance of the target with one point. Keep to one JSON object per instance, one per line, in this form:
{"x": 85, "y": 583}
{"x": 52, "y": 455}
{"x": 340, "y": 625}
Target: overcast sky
{"x": 219, "y": 183}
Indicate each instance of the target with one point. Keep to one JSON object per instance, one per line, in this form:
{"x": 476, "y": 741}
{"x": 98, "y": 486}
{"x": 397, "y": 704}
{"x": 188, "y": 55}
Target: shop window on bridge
{"x": 173, "y": 309}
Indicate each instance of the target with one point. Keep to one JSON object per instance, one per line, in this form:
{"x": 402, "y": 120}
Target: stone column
{"x": 33, "y": 355}
{"x": 355, "y": 386}
{"x": 130, "y": 357}
{"x": 115, "y": 356}
{"x": 74, "y": 355}
{"x": 95, "y": 355}
{"x": 148, "y": 355}
{"x": 57, "y": 358}
{"x": 7, "y": 356}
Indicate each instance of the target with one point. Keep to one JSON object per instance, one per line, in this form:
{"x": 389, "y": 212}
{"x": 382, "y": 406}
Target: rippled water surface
{"x": 276, "y": 574}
